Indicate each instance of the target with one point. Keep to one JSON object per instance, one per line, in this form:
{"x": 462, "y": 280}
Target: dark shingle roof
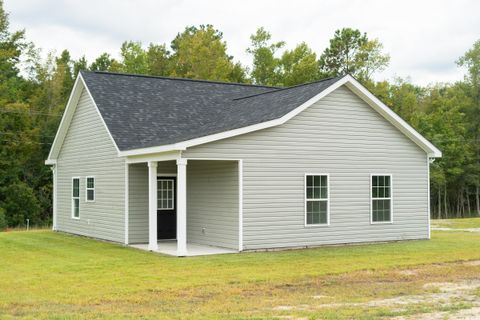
{"x": 143, "y": 111}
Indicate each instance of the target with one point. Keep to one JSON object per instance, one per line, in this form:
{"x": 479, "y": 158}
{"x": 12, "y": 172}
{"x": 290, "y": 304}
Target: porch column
{"x": 181, "y": 207}
{"x": 152, "y": 206}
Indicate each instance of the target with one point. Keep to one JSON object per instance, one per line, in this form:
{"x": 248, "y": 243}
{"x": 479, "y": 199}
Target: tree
{"x": 471, "y": 61}
{"x": 444, "y": 124}
{"x": 102, "y": 63}
{"x": 265, "y": 64}
{"x": 297, "y": 66}
{"x": 12, "y": 46}
{"x": 134, "y": 58}
{"x": 63, "y": 70}
{"x": 158, "y": 60}
{"x": 201, "y": 53}
{"x": 79, "y": 65}
{"x": 352, "y": 52}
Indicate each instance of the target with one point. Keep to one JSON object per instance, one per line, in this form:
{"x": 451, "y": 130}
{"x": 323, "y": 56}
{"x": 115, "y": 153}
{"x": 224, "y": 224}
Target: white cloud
{"x": 424, "y": 38}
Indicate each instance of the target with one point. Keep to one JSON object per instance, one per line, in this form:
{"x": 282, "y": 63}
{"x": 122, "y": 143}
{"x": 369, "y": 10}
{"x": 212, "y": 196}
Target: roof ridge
{"x": 176, "y": 79}
{"x": 287, "y": 88}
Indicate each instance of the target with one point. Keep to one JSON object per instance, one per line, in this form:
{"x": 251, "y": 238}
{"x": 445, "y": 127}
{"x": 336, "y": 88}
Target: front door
{"x": 166, "y": 209}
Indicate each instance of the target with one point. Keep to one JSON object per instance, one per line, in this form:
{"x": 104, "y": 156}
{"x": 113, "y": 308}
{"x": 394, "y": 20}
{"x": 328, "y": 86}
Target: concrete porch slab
{"x": 169, "y": 247}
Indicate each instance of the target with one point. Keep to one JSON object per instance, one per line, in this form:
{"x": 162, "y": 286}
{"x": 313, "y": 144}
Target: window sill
{"x": 318, "y": 225}
{"x": 382, "y": 222}
{"x": 75, "y": 218}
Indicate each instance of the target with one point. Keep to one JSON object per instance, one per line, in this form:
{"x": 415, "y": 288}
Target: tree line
{"x": 34, "y": 92}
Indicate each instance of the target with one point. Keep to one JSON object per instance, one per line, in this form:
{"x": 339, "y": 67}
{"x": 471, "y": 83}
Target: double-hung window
{"x": 90, "y": 189}
{"x": 317, "y": 199}
{"x": 76, "y": 198}
{"x": 381, "y": 204}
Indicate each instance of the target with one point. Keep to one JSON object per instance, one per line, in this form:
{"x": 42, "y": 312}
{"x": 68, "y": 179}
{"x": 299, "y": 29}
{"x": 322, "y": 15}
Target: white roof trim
{"x": 347, "y": 80}
{"x": 392, "y": 117}
{"x": 67, "y": 118}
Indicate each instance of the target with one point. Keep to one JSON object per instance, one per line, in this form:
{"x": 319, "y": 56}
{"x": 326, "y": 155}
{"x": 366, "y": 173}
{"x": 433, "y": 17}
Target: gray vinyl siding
{"x": 340, "y": 135}
{"x": 212, "y": 203}
{"x": 138, "y": 203}
{"x": 138, "y": 198}
{"x": 88, "y": 151}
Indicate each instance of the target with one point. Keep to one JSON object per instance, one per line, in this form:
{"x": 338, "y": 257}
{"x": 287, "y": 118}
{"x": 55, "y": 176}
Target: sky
{"x": 424, "y": 38}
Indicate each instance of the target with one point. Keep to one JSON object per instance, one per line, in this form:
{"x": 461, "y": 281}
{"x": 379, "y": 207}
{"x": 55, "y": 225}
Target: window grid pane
{"x": 381, "y": 201}
{"x": 76, "y": 188}
{"x": 317, "y": 187}
{"x": 317, "y": 211}
{"x": 165, "y": 194}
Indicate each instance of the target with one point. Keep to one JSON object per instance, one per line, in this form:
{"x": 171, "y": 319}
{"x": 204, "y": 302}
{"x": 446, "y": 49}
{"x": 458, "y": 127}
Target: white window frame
{"x": 87, "y": 188}
{"x": 168, "y": 178}
{"x": 389, "y": 198}
{"x": 74, "y": 198}
{"x": 327, "y": 199}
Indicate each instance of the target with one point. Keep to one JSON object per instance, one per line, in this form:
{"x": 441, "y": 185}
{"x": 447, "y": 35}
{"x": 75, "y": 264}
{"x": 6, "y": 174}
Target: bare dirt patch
{"x": 449, "y": 286}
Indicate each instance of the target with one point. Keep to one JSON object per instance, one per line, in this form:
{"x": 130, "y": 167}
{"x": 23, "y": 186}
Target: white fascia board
{"x": 65, "y": 122}
{"x": 347, "y": 80}
{"x": 235, "y": 132}
{"x": 67, "y": 118}
{"x": 98, "y": 112}
{"x": 50, "y": 162}
{"x": 162, "y": 156}
{"x": 150, "y": 150}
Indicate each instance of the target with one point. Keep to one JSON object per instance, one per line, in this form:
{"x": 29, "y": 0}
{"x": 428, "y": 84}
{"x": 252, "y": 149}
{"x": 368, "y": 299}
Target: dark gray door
{"x": 166, "y": 208}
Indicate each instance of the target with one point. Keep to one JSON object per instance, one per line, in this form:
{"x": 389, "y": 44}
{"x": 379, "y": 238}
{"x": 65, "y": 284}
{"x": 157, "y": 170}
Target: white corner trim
{"x": 347, "y": 80}
{"x": 54, "y": 169}
{"x": 240, "y": 205}
{"x": 67, "y": 118}
{"x": 127, "y": 203}
{"x": 428, "y": 197}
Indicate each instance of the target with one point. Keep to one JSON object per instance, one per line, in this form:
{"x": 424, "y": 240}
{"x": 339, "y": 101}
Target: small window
{"x": 76, "y": 198}
{"x": 90, "y": 189}
{"x": 166, "y": 194}
{"x": 381, "y": 206}
{"x": 316, "y": 200}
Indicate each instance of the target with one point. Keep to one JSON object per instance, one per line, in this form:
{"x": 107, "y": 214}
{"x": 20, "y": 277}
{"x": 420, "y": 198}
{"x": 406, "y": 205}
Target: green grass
{"x": 51, "y": 275}
{"x": 465, "y": 223}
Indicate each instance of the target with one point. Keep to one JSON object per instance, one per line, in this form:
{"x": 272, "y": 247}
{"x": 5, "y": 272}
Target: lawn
{"x": 465, "y": 223}
{"x": 51, "y": 275}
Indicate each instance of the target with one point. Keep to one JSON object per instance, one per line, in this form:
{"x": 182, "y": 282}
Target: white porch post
{"x": 54, "y": 197}
{"x": 181, "y": 207}
{"x": 152, "y": 206}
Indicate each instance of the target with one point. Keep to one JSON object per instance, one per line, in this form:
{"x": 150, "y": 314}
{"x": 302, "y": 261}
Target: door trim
{"x": 173, "y": 177}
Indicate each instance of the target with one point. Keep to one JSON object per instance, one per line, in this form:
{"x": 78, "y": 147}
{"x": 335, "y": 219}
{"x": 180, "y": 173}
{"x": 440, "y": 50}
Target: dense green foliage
{"x": 34, "y": 92}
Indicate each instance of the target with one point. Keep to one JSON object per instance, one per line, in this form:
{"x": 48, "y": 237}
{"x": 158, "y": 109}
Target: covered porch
{"x": 184, "y": 207}
{"x": 169, "y": 247}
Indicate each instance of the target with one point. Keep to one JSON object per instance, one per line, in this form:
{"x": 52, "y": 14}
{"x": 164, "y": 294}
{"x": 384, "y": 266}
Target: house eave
{"x": 347, "y": 80}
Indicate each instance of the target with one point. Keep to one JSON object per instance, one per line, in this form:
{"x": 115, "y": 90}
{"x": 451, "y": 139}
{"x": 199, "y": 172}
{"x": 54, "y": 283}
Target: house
{"x": 140, "y": 159}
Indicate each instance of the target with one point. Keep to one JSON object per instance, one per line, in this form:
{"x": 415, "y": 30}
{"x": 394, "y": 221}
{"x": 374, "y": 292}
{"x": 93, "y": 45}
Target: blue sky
{"x": 423, "y": 38}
